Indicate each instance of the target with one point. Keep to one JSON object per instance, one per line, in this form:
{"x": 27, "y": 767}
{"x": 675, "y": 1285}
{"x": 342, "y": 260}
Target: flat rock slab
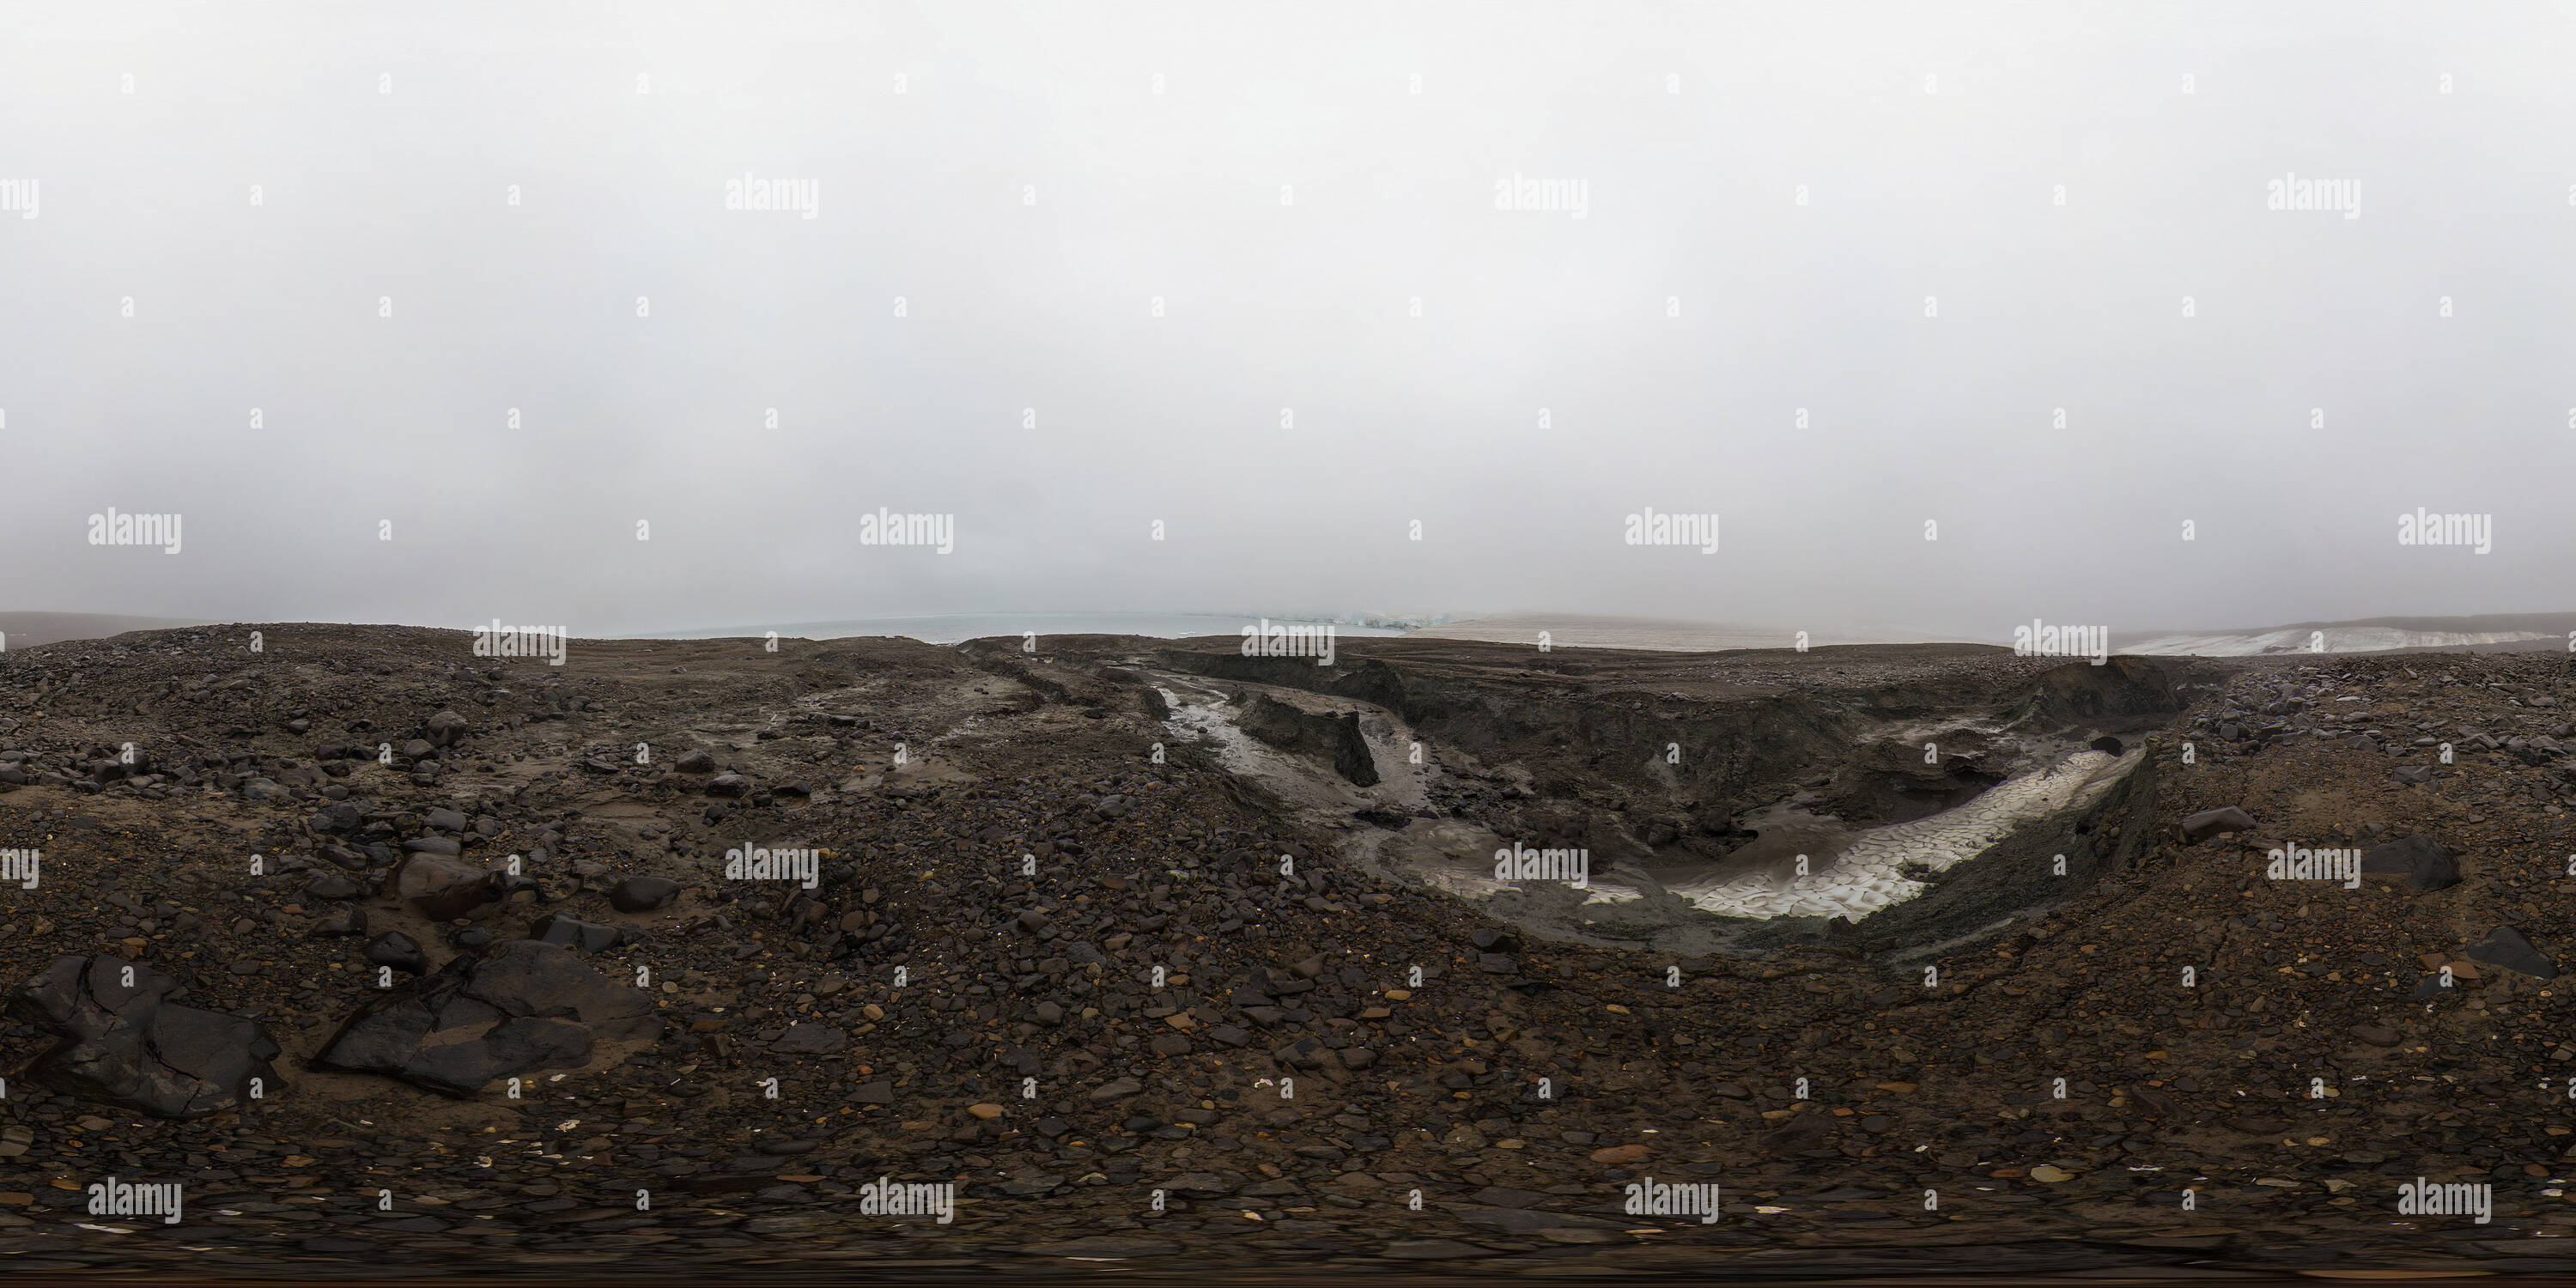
{"x": 571, "y": 931}
{"x": 522, "y": 1006}
{"x": 2419, "y": 858}
{"x": 2504, "y": 946}
{"x": 123, "y": 1045}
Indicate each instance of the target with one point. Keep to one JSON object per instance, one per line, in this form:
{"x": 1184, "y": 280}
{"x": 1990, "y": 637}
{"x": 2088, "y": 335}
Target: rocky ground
{"x": 1149, "y": 1020}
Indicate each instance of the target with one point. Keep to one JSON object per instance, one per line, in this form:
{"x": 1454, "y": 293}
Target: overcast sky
{"x": 1287, "y": 180}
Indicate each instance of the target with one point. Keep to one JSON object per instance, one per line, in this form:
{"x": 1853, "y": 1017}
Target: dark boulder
{"x": 398, "y": 950}
{"x": 124, "y": 1045}
{"x": 642, "y": 894}
{"x": 333, "y": 885}
{"x": 521, "y": 1007}
{"x": 441, "y": 889}
{"x": 446, "y": 728}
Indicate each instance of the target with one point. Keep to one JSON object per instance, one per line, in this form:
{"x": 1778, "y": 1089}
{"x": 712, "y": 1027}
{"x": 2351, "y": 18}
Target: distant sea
{"x": 954, "y": 628}
{"x": 2488, "y": 634}
{"x": 1590, "y": 631}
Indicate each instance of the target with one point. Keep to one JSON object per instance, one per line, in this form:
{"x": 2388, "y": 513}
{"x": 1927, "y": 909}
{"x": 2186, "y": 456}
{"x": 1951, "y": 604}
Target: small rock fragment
{"x": 2213, "y": 822}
